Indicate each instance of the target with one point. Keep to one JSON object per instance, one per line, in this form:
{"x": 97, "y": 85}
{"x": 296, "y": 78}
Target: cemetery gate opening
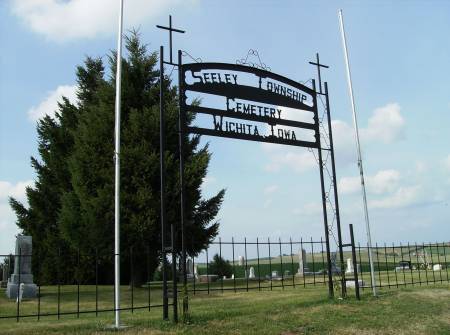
{"x": 254, "y": 104}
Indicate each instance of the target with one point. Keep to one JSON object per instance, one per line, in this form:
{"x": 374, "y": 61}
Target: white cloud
{"x": 208, "y": 180}
{"x": 386, "y": 124}
{"x": 384, "y": 181}
{"x": 447, "y": 162}
{"x": 72, "y": 19}
{"x": 403, "y": 197}
{"x": 8, "y": 228}
{"x": 311, "y": 208}
{"x": 298, "y": 162}
{"x": 50, "y": 104}
{"x": 270, "y": 189}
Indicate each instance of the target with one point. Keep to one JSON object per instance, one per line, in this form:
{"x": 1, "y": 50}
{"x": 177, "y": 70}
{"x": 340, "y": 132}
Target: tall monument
{"x": 22, "y": 270}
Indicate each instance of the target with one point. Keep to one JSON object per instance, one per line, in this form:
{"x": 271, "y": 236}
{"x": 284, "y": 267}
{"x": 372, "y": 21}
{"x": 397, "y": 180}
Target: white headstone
{"x": 351, "y": 283}
{"x": 274, "y": 274}
{"x": 189, "y": 266}
{"x": 349, "y": 268}
{"x": 302, "y": 264}
{"x": 252, "y": 273}
{"x": 21, "y": 289}
{"x": 241, "y": 260}
{"x": 437, "y": 267}
{"x": 22, "y": 270}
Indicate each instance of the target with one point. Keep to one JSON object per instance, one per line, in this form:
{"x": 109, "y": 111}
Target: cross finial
{"x": 170, "y": 29}
{"x": 318, "y": 70}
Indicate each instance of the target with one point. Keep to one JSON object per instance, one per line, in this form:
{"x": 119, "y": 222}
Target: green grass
{"x": 411, "y": 310}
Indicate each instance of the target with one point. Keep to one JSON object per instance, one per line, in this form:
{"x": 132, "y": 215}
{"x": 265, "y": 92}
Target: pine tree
{"x": 52, "y": 254}
{"x": 87, "y": 213}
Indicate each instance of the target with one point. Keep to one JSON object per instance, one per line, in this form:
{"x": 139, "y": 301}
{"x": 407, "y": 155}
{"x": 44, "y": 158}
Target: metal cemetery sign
{"x": 253, "y": 104}
{"x": 242, "y": 102}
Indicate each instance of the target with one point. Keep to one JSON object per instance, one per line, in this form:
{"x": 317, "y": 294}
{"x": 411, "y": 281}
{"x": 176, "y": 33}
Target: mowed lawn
{"x": 412, "y": 310}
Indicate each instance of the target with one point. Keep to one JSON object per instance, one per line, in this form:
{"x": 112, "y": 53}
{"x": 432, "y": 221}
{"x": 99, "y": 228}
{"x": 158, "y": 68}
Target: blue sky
{"x": 399, "y": 52}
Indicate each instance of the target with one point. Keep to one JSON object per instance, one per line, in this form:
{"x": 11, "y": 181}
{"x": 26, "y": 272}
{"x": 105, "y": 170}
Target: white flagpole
{"x": 117, "y": 174}
{"x": 358, "y": 147}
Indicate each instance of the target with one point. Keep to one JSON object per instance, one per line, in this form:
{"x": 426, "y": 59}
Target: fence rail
{"x": 252, "y": 265}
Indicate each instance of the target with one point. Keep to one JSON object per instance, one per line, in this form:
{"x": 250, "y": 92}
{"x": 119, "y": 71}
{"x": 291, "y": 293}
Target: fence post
{"x": 445, "y": 260}
{"x": 234, "y": 267}
{"x": 18, "y": 287}
{"x": 281, "y": 263}
{"x": 355, "y": 267}
{"x": 246, "y": 265}
{"x": 386, "y": 264}
{"x": 259, "y": 273}
{"x": 292, "y": 263}
{"x": 270, "y": 264}
{"x": 78, "y": 282}
{"x": 418, "y": 265}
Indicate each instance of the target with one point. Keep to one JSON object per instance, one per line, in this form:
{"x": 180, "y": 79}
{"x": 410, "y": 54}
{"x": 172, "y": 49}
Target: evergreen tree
{"x": 55, "y": 146}
{"x": 71, "y": 206}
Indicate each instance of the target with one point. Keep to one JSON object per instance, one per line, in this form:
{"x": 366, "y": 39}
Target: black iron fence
{"x": 82, "y": 286}
{"x": 405, "y": 264}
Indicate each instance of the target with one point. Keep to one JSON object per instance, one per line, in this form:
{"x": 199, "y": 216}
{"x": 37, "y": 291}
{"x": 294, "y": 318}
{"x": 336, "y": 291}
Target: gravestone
{"x": 351, "y": 283}
{"x": 5, "y": 274}
{"x": 349, "y": 268}
{"x": 196, "y": 271}
{"x": 22, "y": 270}
{"x": 252, "y": 273}
{"x": 241, "y": 260}
{"x": 302, "y": 264}
{"x": 275, "y": 274}
{"x": 437, "y": 267}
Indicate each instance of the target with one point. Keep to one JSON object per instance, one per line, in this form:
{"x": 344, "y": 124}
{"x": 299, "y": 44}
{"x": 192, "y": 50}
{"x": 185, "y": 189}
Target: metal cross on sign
{"x": 318, "y": 70}
{"x": 170, "y": 29}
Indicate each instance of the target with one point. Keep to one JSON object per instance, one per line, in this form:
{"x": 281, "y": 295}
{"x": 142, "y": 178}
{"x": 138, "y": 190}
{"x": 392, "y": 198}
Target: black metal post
{"x": 303, "y": 270}
{"x": 335, "y": 190}
{"x": 439, "y": 261}
{"x": 132, "y": 279}
{"x": 281, "y": 264}
{"x": 395, "y": 271}
{"x": 292, "y": 263}
{"x": 207, "y": 270}
{"x": 355, "y": 267}
{"x": 410, "y": 265}
{"x": 18, "y": 287}
{"x": 324, "y": 204}
{"x": 270, "y": 264}
{"x": 174, "y": 273}
{"x": 387, "y": 267}
{"x": 418, "y": 265}
{"x": 39, "y": 285}
{"x": 323, "y": 260}
{"x": 445, "y": 260}
{"x": 78, "y": 282}
{"x": 259, "y": 272}
{"x": 360, "y": 264}
{"x": 234, "y": 266}
{"x": 181, "y": 126}
{"x": 59, "y": 281}
{"x": 313, "y": 261}
{"x": 96, "y": 282}
{"x": 162, "y": 140}
{"x": 220, "y": 255}
{"x": 246, "y": 266}
{"x": 149, "y": 279}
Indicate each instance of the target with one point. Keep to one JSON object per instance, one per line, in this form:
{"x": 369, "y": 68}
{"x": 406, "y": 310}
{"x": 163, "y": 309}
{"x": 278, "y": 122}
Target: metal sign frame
{"x": 222, "y": 85}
